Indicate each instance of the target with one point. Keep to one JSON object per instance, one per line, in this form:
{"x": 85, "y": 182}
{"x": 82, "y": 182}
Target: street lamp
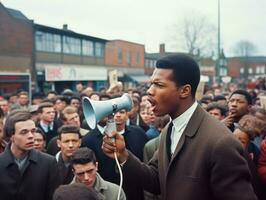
{"x": 218, "y": 46}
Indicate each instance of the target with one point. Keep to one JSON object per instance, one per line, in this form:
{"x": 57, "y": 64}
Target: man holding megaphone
{"x": 117, "y": 111}
{"x": 198, "y": 157}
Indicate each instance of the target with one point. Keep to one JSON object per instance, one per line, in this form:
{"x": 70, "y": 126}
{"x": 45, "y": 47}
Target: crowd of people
{"x": 169, "y": 145}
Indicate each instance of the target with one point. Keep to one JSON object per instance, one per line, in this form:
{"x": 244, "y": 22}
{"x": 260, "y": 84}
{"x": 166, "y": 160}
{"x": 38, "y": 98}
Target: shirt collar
{"x": 45, "y": 126}
{"x": 182, "y": 120}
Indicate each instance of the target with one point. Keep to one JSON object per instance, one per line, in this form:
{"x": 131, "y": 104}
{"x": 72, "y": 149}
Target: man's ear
{"x": 58, "y": 143}
{"x": 12, "y": 138}
{"x": 96, "y": 166}
{"x": 79, "y": 142}
{"x": 185, "y": 91}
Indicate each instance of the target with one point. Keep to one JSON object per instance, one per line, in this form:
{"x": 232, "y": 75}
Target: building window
{"x": 120, "y": 56}
{"x": 71, "y": 45}
{"x": 99, "y": 49}
{"x": 260, "y": 70}
{"x": 128, "y": 58}
{"x": 250, "y": 70}
{"x": 47, "y": 42}
{"x": 87, "y": 48}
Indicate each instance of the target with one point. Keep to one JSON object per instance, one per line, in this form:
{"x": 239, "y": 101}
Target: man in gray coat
{"x": 25, "y": 173}
{"x": 85, "y": 170}
{"x": 198, "y": 157}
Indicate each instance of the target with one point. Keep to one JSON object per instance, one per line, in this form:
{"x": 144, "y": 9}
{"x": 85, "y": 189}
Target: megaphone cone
{"x": 96, "y": 110}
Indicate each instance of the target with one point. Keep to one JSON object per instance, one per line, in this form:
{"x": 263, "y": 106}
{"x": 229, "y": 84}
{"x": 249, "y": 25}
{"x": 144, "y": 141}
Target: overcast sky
{"x": 149, "y": 22}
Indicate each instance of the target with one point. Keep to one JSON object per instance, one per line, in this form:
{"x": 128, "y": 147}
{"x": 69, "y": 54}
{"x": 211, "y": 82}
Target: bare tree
{"x": 196, "y": 34}
{"x": 244, "y": 48}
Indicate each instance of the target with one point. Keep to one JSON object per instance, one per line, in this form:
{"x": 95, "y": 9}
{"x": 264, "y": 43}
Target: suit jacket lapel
{"x": 163, "y": 160}
{"x": 190, "y": 130}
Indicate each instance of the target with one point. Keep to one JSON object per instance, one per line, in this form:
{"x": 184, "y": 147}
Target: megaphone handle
{"x": 110, "y": 126}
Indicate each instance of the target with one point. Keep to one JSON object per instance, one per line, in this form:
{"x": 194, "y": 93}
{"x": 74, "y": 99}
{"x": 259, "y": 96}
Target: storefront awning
{"x": 140, "y": 78}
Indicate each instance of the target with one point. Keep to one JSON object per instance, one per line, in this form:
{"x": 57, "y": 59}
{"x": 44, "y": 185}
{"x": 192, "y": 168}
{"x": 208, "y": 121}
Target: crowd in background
{"x": 62, "y": 132}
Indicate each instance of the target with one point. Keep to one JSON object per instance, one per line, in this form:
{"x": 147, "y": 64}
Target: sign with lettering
{"x": 74, "y": 73}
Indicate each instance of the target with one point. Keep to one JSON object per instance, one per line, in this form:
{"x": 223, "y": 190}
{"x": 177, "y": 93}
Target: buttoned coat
{"x": 37, "y": 182}
{"x": 208, "y": 164}
{"x": 135, "y": 140}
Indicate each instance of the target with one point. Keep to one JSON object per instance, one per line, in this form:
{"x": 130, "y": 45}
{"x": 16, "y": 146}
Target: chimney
{"x": 65, "y": 27}
{"x": 162, "y": 49}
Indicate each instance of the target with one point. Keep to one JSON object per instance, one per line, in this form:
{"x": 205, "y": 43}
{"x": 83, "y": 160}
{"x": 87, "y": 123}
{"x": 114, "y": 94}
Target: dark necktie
{"x": 168, "y": 140}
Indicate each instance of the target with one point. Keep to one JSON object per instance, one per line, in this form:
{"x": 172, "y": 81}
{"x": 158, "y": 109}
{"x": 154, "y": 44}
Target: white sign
{"x": 74, "y": 73}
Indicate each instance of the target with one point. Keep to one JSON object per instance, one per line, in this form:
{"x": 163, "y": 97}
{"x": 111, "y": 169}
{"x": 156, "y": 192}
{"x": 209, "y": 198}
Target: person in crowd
{"x": 205, "y": 100}
{"x": 221, "y": 99}
{"x": 144, "y": 98}
{"x": 135, "y": 140}
{"x": 52, "y": 95}
{"x": 79, "y": 88}
{"x": 3, "y": 142}
{"x": 75, "y": 102}
{"x": 25, "y": 173}
{"x": 47, "y": 121}
{"x": 87, "y": 91}
{"x": 37, "y": 98}
{"x": 60, "y": 103}
{"x": 248, "y": 127}
{"x": 260, "y": 114}
{"x": 33, "y": 109}
{"x": 39, "y": 140}
{"x": 69, "y": 116}
{"x": 68, "y": 142}
{"x": 85, "y": 167}
{"x": 115, "y": 89}
{"x": 217, "y": 110}
{"x": 75, "y": 191}
{"x": 12, "y": 99}
{"x": 240, "y": 103}
{"x": 4, "y": 105}
{"x": 133, "y": 114}
{"x": 198, "y": 157}
{"x": 22, "y": 101}
{"x": 95, "y": 96}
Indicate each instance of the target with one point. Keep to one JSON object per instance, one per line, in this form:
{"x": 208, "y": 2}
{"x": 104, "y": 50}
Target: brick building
{"x": 16, "y": 50}
{"x": 246, "y": 67}
{"x": 128, "y": 58}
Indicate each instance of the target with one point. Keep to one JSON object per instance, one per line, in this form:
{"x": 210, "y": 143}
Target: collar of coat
{"x": 10, "y": 160}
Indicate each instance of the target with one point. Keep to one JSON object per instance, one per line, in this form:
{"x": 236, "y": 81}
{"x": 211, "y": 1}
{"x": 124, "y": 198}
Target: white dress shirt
{"x": 179, "y": 125}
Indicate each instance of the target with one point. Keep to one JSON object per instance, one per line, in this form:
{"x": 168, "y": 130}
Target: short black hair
{"x": 185, "y": 68}
{"x": 38, "y": 130}
{"x": 68, "y": 129}
{"x": 76, "y": 98}
{"x": 75, "y": 191}
{"x": 219, "y": 97}
{"x": 244, "y": 93}
{"x": 83, "y": 155}
{"x": 44, "y": 105}
{"x": 216, "y": 105}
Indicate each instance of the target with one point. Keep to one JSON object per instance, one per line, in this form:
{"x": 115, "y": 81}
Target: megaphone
{"x": 96, "y": 110}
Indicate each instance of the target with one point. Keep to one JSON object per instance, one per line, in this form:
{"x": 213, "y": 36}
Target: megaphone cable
{"x": 111, "y": 126}
{"x": 121, "y": 176}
